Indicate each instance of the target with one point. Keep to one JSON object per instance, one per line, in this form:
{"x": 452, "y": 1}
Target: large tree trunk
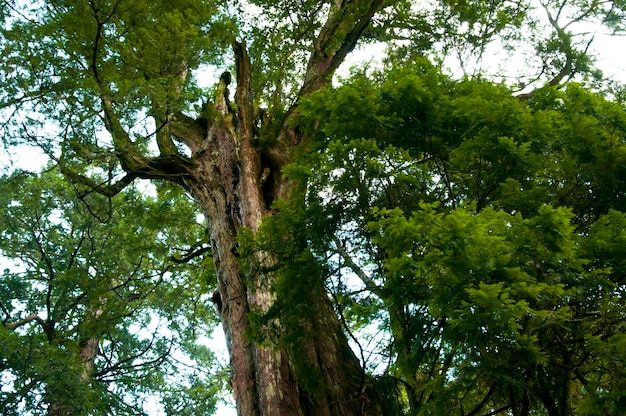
{"x": 234, "y": 183}
{"x": 263, "y": 377}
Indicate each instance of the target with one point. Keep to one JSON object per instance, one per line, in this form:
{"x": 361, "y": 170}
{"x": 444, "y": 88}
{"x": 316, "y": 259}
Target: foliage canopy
{"x": 96, "y": 311}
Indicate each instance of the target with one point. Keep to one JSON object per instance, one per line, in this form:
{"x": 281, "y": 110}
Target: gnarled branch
{"x": 346, "y": 22}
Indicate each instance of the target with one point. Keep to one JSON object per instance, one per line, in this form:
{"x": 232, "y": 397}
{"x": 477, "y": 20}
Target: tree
{"x": 92, "y": 307}
{"x": 480, "y": 240}
{"x": 108, "y": 92}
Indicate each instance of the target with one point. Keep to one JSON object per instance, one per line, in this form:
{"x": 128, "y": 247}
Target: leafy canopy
{"x": 470, "y": 240}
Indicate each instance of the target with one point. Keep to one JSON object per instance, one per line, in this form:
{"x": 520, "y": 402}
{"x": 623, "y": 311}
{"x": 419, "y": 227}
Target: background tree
{"x": 96, "y": 316}
{"x": 107, "y": 90}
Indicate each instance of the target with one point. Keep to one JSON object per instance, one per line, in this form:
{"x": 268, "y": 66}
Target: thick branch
{"x": 353, "y": 36}
{"x": 30, "y": 318}
{"x": 164, "y": 140}
{"x": 108, "y": 190}
{"x": 167, "y": 114}
{"x": 345, "y": 24}
{"x": 130, "y": 158}
{"x": 187, "y": 130}
{"x": 253, "y": 206}
{"x": 243, "y": 95}
{"x": 566, "y": 47}
{"x": 169, "y": 166}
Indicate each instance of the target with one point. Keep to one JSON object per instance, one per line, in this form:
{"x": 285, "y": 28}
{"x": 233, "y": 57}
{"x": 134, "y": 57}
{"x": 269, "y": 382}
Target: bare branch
{"x": 191, "y": 254}
{"x": 129, "y": 363}
{"x": 369, "y": 283}
{"x": 30, "y": 318}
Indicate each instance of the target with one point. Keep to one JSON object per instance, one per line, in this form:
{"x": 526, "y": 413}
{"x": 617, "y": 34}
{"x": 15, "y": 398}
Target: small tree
{"x": 94, "y": 308}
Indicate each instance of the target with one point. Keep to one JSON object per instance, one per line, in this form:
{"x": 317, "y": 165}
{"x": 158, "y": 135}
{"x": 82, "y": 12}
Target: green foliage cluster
{"x": 472, "y": 240}
{"x": 94, "y": 269}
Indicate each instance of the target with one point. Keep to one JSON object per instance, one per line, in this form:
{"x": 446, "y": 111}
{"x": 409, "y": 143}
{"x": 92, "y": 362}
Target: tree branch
{"x": 191, "y": 254}
{"x": 30, "y": 318}
{"x": 170, "y": 165}
{"x": 369, "y": 283}
{"x": 129, "y": 363}
{"x": 7, "y": 314}
{"x": 243, "y": 95}
{"x": 483, "y": 402}
{"x": 499, "y": 410}
{"x": 100, "y": 188}
{"x": 346, "y": 22}
{"x": 187, "y": 130}
{"x": 129, "y": 156}
{"x": 565, "y": 47}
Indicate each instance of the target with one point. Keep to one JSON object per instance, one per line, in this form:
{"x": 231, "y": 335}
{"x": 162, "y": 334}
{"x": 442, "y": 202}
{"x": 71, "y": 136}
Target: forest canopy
{"x": 402, "y": 239}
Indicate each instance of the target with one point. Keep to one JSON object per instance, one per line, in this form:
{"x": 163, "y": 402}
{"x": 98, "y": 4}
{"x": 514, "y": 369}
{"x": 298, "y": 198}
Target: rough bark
{"x": 227, "y": 183}
{"x": 235, "y": 182}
